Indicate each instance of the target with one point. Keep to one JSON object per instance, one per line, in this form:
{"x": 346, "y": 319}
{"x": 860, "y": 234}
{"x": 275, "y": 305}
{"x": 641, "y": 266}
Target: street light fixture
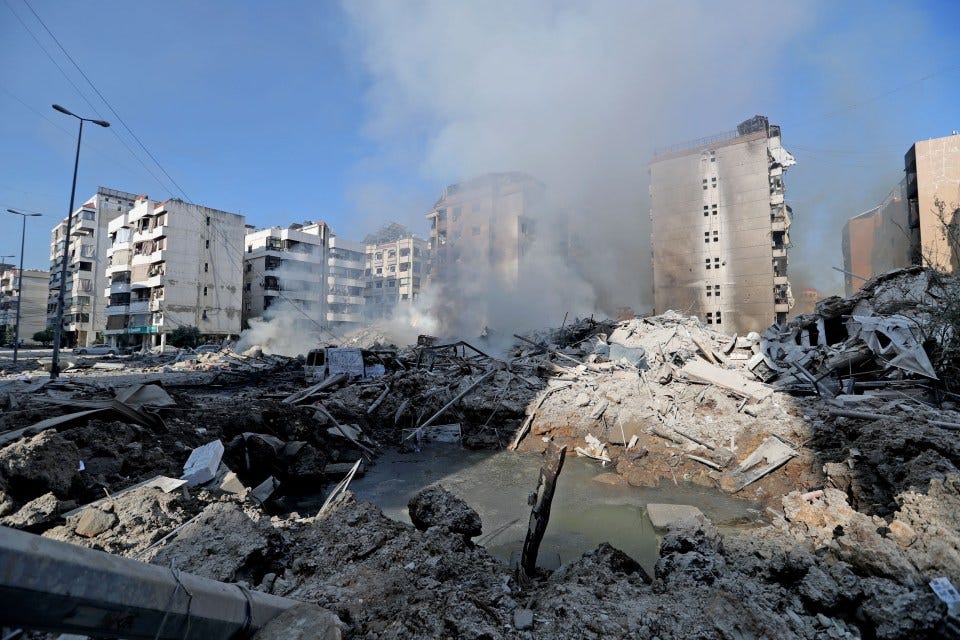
{"x": 58, "y": 328}
{"x": 23, "y": 237}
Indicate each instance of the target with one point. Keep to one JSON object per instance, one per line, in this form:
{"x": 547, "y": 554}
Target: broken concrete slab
{"x": 729, "y": 379}
{"x": 663, "y": 515}
{"x": 263, "y": 491}
{"x": 201, "y": 467}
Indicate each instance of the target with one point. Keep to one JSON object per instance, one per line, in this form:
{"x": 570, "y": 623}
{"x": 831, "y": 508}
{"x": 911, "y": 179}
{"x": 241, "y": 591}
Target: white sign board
{"x": 348, "y": 361}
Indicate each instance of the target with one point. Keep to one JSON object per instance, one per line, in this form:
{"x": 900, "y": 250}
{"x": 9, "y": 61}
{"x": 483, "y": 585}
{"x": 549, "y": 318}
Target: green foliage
{"x": 44, "y": 337}
{"x": 941, "y": 330}
{"x": 185, "y": 336}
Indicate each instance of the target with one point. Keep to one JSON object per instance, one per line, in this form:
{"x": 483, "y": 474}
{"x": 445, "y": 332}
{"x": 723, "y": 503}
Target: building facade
{"x": 345, "y": 283}
{"x": 394, "y": 270}
{"x": 173, "y": 264}
{"x": 913, "y": 223}
{"x": 486, "y": 224}
{"x": 84, "y": 309}
{"x": 285, "y": 269}
{"x": 33, "y": 287}
{"x": 720, "y": 228}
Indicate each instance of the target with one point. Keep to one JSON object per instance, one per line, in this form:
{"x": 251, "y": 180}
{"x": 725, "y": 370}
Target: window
{"x": 249, "y": 267}
{"x": 392, "y": 268}
{"x": 391, "y": 254}
{"x": 714, "y": 182}
{"x": 707, "y": 263}
{"x": 713, "y": 156}
{"x": 706, "y": 237}
{"x": 208, "y": 244}
{"x": 378, "y": 255}
{"x": 716, "y": 290}
{"x": 713, "y": 207}
{"x": 718, "y": 317}
{"x": 716, "y": 236}
{"x": 404, "y": 266}
{"x": 204, "y": 291}
{"x": 475, "y": 231}
{"x": 249, "y": 248}
{"x": 456, "y": 213}
{"x": 709, "y": 317}
{"x": 206, "y": 267}
{"x": 208, "y": 221}
{"x": 246, "y": 287}
{"x": 391, "y": 283}
{"x": 709, "y": 291}
{"x": 404, "y": 252}
{"x": 704, "y": 184}
{"x": 706, "y": 210}
{"x": 379, "y": 285}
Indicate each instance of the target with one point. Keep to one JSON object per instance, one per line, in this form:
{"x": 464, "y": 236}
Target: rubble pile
{"x": 840, "y": 423}
{"x": 665, "y": 398}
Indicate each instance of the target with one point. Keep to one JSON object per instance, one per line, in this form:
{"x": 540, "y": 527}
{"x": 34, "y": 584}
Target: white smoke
{"x": 575, "y": 94}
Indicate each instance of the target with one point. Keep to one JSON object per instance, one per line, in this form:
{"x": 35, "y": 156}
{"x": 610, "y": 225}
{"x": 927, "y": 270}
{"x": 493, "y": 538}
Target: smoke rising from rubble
{"x": 575, "y": 94}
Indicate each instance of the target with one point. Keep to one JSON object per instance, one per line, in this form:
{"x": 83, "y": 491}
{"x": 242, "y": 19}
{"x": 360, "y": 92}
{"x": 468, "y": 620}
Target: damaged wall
{"x": 720, "y": 230}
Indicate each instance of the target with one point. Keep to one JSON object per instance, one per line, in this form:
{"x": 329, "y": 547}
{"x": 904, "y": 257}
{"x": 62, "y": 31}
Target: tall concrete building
{"x": 345, "y": 262}
{"x": 485, "y": 223}
{"x": 908, "y": 227}
{"x": 720, "y": 228}
{"x": 396, "y": 263}
{"x": 33, "y": 288}
{"x": 84, "y": 309}
{"x": 286, "y": 269}
{"x": 173, "y": 264}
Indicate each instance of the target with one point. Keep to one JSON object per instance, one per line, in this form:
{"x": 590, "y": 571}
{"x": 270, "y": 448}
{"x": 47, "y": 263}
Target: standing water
{"x": 584, "y": 514}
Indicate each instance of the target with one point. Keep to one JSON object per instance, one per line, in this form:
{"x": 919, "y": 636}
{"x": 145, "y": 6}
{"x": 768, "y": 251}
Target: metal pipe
{"x": 54, "y": 586}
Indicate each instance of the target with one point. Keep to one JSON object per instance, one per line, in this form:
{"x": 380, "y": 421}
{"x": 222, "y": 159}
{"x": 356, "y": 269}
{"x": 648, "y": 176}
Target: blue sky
{"x": 360, "y": 113}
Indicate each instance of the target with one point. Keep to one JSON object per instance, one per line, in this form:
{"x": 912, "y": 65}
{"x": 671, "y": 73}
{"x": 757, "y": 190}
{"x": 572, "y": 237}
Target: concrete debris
{"x": 437, "y": 507}
{"x": 201, "y": 467}
{"x": 838, "y": 427}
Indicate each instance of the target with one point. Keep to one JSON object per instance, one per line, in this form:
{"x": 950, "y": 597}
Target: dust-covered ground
{"x": 859, "y": 477}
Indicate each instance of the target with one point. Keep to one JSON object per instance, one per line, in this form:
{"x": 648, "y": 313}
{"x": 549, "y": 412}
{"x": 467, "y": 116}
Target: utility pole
{"x": 23, "y": 237}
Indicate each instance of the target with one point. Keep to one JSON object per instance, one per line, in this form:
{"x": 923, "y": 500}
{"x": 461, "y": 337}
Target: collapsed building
{"x": 846, "y": 456}
{"x": 720, "y": 227}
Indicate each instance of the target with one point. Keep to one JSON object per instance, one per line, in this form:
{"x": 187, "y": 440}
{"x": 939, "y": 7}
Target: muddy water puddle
{"x": 585, "y": 512}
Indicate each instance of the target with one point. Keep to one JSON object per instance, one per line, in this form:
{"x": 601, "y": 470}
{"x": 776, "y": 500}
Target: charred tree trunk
{"x": 541, "y": 501}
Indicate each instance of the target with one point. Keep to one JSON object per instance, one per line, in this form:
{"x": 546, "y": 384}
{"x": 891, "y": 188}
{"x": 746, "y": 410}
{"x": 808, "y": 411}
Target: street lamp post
{"x": 58, "y": 328}
{"x": 23, "y": 238}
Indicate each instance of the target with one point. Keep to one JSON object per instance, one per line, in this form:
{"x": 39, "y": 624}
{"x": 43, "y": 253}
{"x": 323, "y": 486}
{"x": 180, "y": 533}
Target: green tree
{"x": 44, "y": 337}
{"x": 184, "y": 336}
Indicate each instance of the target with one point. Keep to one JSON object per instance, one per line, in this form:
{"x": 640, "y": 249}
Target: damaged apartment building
{"x": 720, "y": 228}
{"x": 173, "y": 264}
{"x": 907, "y": 227}
{"x": 84, "y": 308}
{"x": 285, "y": 269}
{"x": 484, "y": 223}
{"x": 395, "y": 267}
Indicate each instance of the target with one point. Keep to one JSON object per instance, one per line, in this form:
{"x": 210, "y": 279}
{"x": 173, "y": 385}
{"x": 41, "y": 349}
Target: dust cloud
{"x": 575, "y": 94}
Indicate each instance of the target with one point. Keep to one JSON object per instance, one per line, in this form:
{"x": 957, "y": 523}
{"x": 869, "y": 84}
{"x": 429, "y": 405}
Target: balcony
{"x": 119, "y": 287}
{"x": 139, "y": 307}
{"x": 118, "y": 309}
{"x": 776, "y": 198}
{"x": 780, "y": 280}
{"x": 342, "y": 299}
{"x": 155, "y": 305}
